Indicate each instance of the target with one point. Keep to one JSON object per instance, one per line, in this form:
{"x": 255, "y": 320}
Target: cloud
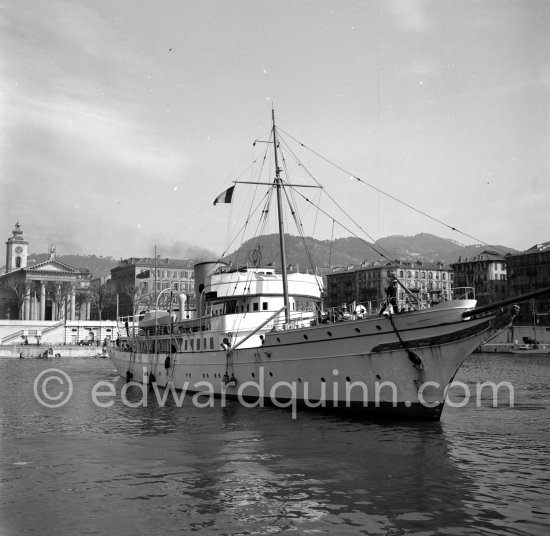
{"x": 75, "y": 127}
{"x": 65, "y": 72}
{"x": 408, "y": 15}
{"x": 181, "y": 250}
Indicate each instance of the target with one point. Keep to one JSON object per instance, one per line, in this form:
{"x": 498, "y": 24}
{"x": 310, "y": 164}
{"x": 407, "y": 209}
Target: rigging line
{"x": 268, "y": 197}
{"x": 317, "y": 212}
{"x": 332, "y": 198}
{"x": 330, "y": 250}
{"x": 258, "y": 174}
{"x": 250, "y": 213}
{"x": 347, "y": 229}
{"x": 292, "y": 204}
{"x": 301, "y": 231}
{"x": 176, "y": 231}
{"x": 249, "y": 168}
{"x": 297, "y": 220}
{"x": 242, "y": 228}
{"x": 263, "y": 223}
{"x": 351, "y": 175}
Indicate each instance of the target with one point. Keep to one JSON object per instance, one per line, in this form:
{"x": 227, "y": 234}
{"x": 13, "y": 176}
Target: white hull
{"x": 398, "y": 365}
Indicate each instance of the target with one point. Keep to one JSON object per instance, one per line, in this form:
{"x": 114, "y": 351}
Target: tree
{"x": 58, "y": 293}
{"x": 82, "y": 297}
{"x": 19, "y": 290}
{"x": 102, "y": 296}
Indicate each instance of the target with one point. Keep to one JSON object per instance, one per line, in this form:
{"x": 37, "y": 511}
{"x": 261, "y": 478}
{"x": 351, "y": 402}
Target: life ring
{"x": 167, "y": 362}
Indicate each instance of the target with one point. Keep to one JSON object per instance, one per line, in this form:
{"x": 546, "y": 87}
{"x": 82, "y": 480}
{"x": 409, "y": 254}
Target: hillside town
{"x": 51, "y": 293}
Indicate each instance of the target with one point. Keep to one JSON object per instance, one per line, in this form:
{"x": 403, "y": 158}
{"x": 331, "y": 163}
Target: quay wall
{"x": 513, "y": 337}
{"x": 20, "y": 351}
{"x": 64, "y": 332}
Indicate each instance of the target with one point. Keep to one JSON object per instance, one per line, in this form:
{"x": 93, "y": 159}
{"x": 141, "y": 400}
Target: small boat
{"x": 531, "y": 349}
{"x": 263, "y": 336}
{"x": 531, "y": 344}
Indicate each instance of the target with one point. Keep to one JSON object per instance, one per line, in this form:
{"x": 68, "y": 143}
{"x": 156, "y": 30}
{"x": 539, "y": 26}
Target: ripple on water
{"x": 83, "y": 469}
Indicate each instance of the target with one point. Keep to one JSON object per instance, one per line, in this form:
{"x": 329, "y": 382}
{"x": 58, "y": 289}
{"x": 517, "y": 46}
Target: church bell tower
{"x": 16, "y": 250}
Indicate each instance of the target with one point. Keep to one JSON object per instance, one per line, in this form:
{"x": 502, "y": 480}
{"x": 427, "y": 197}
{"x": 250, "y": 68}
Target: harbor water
{"x": 117, "y": 467}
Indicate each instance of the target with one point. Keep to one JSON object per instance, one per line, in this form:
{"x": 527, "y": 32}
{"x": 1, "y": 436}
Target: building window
{"x": 264, "y": 306}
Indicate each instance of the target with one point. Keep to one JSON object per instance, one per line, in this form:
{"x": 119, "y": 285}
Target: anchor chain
{"x": 412, "y": 356}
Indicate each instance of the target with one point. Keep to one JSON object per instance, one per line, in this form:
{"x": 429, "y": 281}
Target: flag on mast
{"x": 225, "y": 197}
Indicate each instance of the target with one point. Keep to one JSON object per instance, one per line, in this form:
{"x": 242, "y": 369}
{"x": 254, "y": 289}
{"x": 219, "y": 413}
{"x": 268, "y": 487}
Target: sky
{"x": 122, "y": 120}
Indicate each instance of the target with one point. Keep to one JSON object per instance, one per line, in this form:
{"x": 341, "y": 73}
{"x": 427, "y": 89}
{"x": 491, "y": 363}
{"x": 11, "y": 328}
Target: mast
{"x": 278, "y": 184}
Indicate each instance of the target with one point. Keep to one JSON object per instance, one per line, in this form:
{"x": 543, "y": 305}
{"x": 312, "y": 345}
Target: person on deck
{"x": 391, "y": 299}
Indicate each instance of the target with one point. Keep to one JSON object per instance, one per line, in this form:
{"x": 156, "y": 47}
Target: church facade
{"x": 50, "y": 290}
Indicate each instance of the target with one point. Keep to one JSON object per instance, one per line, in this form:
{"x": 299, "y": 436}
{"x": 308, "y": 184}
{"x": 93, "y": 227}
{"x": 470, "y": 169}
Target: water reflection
{"x": 235, "y": 470}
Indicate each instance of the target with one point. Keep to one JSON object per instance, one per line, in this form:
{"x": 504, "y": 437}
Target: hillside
{"x": 341, "y": 252}
{"x": 345, "y": 251}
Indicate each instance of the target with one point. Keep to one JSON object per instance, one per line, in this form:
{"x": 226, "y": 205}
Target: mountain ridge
{"x": 324, "y": 253}
{"x": 351, "y": 250}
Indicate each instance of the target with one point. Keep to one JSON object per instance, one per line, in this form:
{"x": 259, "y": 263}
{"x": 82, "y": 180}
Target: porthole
{"x": 305, "y": 337}
{"x": 253, "y": 375}
{"x": 378, "y": 327}
{"x": 348, "y": 379}
{"x": 377, "y": 376}
{"x": 323, "y": 380}
{"x": 299, "y": 380}
{"x": 271, "y": 374}
{"x": 329, "y": 333}
{"x": 278, "y": 340}
{"x": 358, "y": 330}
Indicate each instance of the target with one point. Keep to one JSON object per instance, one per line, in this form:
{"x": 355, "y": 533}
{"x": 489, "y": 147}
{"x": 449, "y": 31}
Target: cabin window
{"x": 264, "y": 306}
{"x": 198, "y": 344}
{"x": 247, "y": 307}
{"x": 255, "y": 306}
{"x": 211, "y": 343}
{"x": 191, "y": 344}
{"x": 204, "y": 344}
